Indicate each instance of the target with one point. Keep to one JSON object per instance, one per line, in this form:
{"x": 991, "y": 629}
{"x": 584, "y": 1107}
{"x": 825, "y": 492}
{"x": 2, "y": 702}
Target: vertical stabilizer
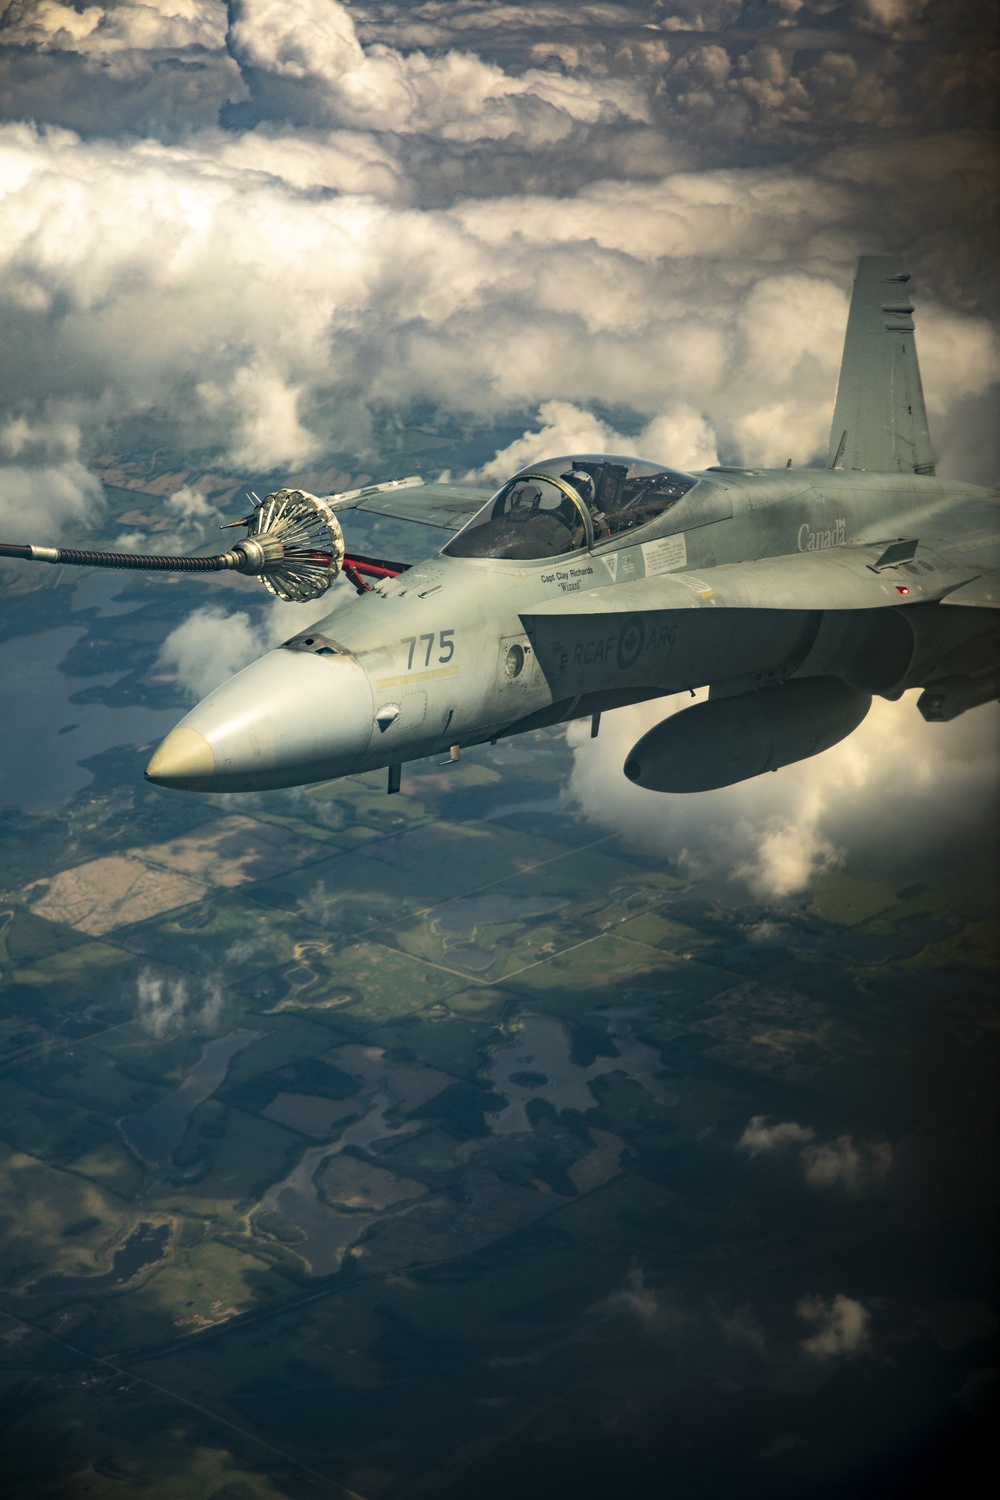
{"x": 879, "y": 420}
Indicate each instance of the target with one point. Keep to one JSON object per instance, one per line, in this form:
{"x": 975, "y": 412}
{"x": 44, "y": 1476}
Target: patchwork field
{"x": 121, "y": 890}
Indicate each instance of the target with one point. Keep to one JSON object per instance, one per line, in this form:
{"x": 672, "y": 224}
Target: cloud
{"x": 208, "y": 647}
{"x": 827, "y": 1164}
{"x": 195, "y": 515}
{"x": 303, "y": 61}
{"x": 120, "y": 26}
{"x": 262, "y": 411}
{"x": 789, "y": 855}
{"x": 759, "y": 1137}
{"x": 44, "y": 486}
{"x": 841, "y": 1163}
{"x": 706, "y": 1342}
{"x": 37, "y": 504}
{"x": 773, "y": 835}
{"x": 587, "y": 76}
{"x": 302, "y": 39}
{"x": 158, "y": 68}
{"x": 243, "y": 949}
{"x": 741, "y": 1348}
{"x": 893, "y": 16}
{"x": 211, "y": 644}
{"x": 49, "y": 24}
{"x": 347, "y": 161}
{"x": 792, "y": 332}
{"x": 165, "y": 1007}
{"x": 748, "y": 1348}
{"x": 681, "y": 439}
{"x": 638, "y": 1300}
{"x": 841, "y": 1325}
{"x": 565, "y": 429}
{"x": 196, "y": 521}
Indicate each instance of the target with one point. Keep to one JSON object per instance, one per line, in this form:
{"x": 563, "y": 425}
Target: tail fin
{"x": 879, "y": 420}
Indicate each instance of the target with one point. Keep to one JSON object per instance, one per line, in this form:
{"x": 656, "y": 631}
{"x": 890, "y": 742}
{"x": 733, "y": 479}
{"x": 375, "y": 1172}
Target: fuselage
{"x": 461, "y": 650}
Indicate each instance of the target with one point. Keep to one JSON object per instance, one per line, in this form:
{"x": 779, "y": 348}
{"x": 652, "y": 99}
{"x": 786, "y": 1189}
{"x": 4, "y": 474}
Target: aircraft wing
{"x": 445, "y": 506}
{"x": 982, "y": 593}
{"x": 974, "y": 541}
{"x": 865, "y": 577}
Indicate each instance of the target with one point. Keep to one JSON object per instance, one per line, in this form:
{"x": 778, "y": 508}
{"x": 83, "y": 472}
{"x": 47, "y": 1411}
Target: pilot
{"x": 583, "y": 483}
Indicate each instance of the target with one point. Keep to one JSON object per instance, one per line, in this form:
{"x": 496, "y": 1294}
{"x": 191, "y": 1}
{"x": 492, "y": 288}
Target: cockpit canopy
{"x": 569, "y": 504}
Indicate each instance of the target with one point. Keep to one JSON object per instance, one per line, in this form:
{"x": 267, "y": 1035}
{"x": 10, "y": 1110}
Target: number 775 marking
{"x": 445, "y": 642}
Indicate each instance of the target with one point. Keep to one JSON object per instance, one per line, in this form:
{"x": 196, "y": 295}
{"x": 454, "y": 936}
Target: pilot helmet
{"x": 583, "y": 484}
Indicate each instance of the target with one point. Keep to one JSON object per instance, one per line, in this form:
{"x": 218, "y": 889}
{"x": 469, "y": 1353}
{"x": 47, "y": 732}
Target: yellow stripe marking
{"x": 408, "y": 677}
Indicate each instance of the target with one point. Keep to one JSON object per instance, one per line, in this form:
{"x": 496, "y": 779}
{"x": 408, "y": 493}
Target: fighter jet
{"x": 591, "y": 581}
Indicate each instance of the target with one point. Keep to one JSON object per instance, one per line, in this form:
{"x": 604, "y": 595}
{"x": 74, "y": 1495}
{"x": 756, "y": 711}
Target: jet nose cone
{"x": 184, "y": 760}
{"x": 290, "y": 718}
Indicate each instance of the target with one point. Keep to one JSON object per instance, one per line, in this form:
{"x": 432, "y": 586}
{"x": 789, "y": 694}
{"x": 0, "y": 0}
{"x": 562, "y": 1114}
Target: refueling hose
{"x": 72, "y": 556}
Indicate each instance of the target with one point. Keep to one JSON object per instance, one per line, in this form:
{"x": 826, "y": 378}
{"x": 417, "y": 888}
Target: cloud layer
{"x": 480, "y": 210}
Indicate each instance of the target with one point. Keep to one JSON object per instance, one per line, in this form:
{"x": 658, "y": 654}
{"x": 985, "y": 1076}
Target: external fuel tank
{"x": 725, "y": 740}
